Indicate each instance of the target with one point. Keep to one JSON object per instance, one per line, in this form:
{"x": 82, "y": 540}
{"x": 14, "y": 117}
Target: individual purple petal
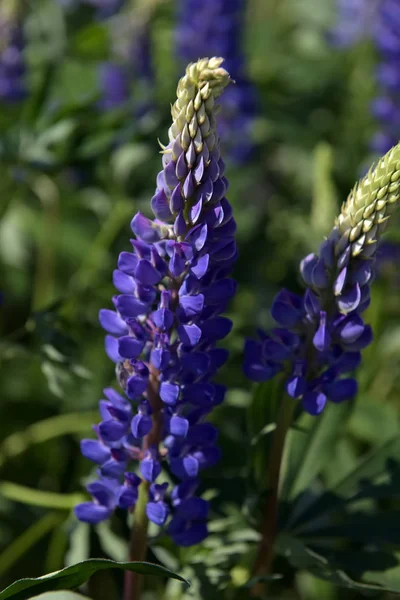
{"x": 141, "y": 425}
{"x": 145, "y": 229}
{"x": 157, "y": 512}
{"x": 340, "y": 282}
{"x": 192, "y": 304}
{"x": 188, "y": 186}
{"x": 112, "y": 430}
{"x": 123, "y": 282}
{"x": 163, "y": 318}
{"x": 202, "y": 434}
{"x": 307, "y": 266}
{"x": 170, "y": 175}
{"x": 195, "y": 211}
{"x": 160, "y": 206}
{"x": 95, "y": 451}
{"x": 200, "y": 267}
{"x": 169, "y": 393}
{"x": 146, "y": 273}
{"x": 341, "y": 390}
{"x": 314, "y": 402}
{"x": 189, "y": 334}
{"x": 90, "y": 512}
{"x": 178, "y": 426}
{"x": 127, "y": 262}
{"x": 319, "y": 275}
{"x": 322, "y": 337}
{"x": 185, "y": 468}
{"x": 350, "y": 299}
{"x": 286, "y": 309}
{"x": 176, "y": 201}
{"x": 180, "y": 225}
{"x": 217, "y": 328}
{"x": 150, "y": 467}
{"x": 193, "y": 509}
{"x": 181, "y": 170}
{"x": 190, "y": 535}
{"x": 351, "y": 329}
{"x": 112, "y": 323}
{"x": 111, "y": 347}
{"x": 128, "y": 306}
{"x": 129, "y": 347}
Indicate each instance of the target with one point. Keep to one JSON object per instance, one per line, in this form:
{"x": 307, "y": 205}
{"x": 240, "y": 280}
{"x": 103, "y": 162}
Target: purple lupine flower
{"x": 319, "y": 335}
{"x": 164, "y": 330}
{"x": 134, "y": 68}
{"x": 114, "y": 82}
{"x": 12, "y": 64}
{"x": 354, "y": 21}
{"x": 216, "y": 27}
{"x": 386, "y": 107}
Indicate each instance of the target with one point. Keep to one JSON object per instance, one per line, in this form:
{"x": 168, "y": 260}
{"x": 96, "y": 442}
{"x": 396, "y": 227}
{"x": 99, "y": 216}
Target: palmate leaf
{"x": 338, "y": 533}
{"x": 74, "y": 576}
{"x": 302, "y": 557}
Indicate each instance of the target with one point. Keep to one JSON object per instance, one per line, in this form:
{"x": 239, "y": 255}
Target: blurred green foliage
{"x": 71, "y": 177}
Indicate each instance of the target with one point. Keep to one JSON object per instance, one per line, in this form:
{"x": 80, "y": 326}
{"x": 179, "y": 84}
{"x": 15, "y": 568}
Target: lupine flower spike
{"x": 162, "y": 335}
{"x": 319, "y": 336}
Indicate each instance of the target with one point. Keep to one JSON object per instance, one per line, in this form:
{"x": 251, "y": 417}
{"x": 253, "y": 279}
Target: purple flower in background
{"x": 354, "y": 21}
{"x": 114, "y": 82}
{"x": 164, "y": 330}
{"x": 12, "y": 64}
{"x": 216, "y": 27}
{"x": 318, "y": 336}
{"x": 134, "y": 69}
{"x": 386, "y": 107}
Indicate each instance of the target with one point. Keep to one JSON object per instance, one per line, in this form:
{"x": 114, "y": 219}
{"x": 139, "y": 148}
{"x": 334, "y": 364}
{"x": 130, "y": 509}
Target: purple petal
{"x": 111, "y": 347}
{"x": 129, "y": 347}
{"x": 341, "y": 390}
{"x": 169, "y": 393}
{"x": 178, "y": 426}
{"x": 157, "y": 512}
{"x": 189, "y": 334}
{"x": 95, "y": 451}
{"x": 112, "y": 323}
{"x": 128, "y": 306}
{"x": 89, "y": 512}
{"x": 141, "y": 425}
{"x": 314, "y": 402}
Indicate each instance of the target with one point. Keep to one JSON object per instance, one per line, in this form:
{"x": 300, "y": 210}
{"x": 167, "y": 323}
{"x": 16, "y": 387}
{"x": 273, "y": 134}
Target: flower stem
{"x": 138, "y": 544}
{"x": 265, "y": 554}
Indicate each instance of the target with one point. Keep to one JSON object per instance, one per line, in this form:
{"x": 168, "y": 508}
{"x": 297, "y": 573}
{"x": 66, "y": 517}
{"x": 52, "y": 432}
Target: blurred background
{"x": 85, "y": 93}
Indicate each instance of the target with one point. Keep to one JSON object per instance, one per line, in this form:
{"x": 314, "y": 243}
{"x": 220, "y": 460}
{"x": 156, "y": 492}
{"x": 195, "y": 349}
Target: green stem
{"x": 265, "y": 554}
{"x": 45, "y": 430}
{"x": 138, "y": 544}
{"x": 27, "y": 495}
{"x": 29, "y": 538}
{"x": 47, "y": 192}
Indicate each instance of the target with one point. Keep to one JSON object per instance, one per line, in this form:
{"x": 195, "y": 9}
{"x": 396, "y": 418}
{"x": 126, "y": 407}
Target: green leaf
{"x": 261, "y": 419}
{"x": 60, "y": 596}
{"x": 372, "y": 466}
{"x": 302, "y": 557}
{"x": 74, "y": 576}
{"x": 309, "y": 448}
